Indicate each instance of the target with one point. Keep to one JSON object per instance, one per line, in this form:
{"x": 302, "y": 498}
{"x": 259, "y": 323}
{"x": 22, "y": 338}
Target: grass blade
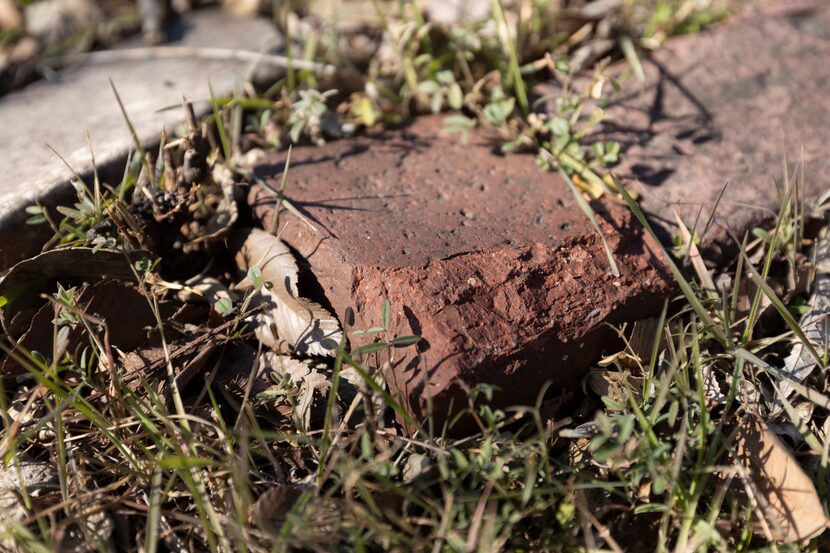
{"x": 220, "y": 128}
{"x": 586, "y": 209}
{"x": 630, "y": 53}
{"x": 685, "y": 287}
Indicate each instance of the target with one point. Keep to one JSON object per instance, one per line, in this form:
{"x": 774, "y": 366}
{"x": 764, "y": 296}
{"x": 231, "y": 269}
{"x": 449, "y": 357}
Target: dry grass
{"x": 190, "y": 450}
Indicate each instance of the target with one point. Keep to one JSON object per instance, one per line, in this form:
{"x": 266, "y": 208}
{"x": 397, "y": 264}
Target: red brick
{"x": 725, "y": 106}
{"x": 485, "y": 256}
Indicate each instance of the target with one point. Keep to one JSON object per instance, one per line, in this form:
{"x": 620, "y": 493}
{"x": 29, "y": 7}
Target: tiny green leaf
{"x": 406, "y": 340}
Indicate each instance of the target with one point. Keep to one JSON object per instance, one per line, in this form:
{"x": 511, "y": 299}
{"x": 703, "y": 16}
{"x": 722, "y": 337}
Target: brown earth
{"x": 485, "y": 256}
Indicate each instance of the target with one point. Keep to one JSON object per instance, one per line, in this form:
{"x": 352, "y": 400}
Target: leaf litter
{"x": 790, "y": 509}
{"x": 264, "y": 374}
{"x": 285, "y": 322}
{"x": 179, "y": 302}
{"x": 799, "y": 363}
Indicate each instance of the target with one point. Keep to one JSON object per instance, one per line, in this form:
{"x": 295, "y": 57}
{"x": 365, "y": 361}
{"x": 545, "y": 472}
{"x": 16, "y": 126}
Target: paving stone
{"x": 485, "y": 256}
{"x": 60, "y": 112}
{"x": 725, "y": 106}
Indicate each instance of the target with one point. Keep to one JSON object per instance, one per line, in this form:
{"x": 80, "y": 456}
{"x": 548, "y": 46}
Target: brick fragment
{"x": 484, "y": 255}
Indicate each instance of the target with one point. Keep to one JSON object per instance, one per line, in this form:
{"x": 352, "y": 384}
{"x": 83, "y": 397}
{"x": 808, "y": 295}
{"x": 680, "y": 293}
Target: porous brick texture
{"x": 724, "y": 107}
{"x": 485, "y": 256}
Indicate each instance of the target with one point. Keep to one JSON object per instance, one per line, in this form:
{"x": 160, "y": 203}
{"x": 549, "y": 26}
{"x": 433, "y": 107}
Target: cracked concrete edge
{"x": 29, "y": 239}
{"x": 42, "y": 112}
{"x": 51, "y": 193}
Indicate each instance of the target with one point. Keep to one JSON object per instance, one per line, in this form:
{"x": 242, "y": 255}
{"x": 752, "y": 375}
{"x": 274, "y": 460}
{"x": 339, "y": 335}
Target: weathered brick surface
{"x": 726, "y": 106}
{"x": 485, "y": 256}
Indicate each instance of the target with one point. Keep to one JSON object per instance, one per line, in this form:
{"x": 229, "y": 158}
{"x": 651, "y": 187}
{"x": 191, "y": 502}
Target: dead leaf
{"x": 10, "y": 16}
{"x": 37, "y": 477}
{"x": 81, "y": 263}
{"x": 803, "y": 413}
{"x": 800, "y": 363}
{"x": 237, "y": 379}
{"x": 303, "y": 326}
{"x": 271, "y": 509}
{"x": 188, "y": 360}
{"x": 226, "y": 212}
{"x": 205, "y": 288}
{"x": 694, "y": 256}
{"x": 189, "y": 357}
{"x": 257, "y": 248}
{"x": 22, "y": 285}
{"x": 244, "y": 8}
{"x": 284, "y": 385}
{"x": 642, "y": 339}
{"x": 747, "y": 289}
{"x": 319, "y": 523}
{"x": 613, "y": 385}
{"x": 124, "y": 308}
{"x": 787, "y": 497}
{"x": 640, "y": 342}
{"x": 285, "y": 322}
{"x": 21, "y": 322}
{"x": 236, "y": 369}
{"x": 711, "y": 388}
{"x": 416, "y": 465}
{"x": 310, "y": 385}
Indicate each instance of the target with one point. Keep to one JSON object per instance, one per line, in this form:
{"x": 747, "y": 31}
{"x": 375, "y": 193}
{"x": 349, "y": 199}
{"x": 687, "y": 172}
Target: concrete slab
{"x": 60, "y": 111}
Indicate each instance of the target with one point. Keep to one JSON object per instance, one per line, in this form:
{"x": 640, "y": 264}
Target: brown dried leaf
{"x": 297, "y": 390}
{"x": 237, "y": 380}
{"x": 636, "y": 356}
{"x": 205, "y": 288}
{"x": 271, "y": 509}
{"x": 694, "y": 256}
{"x": 311, "y": 386}
{"x": 288, "y": 322}
{"x": 257, "y": 248}
{"x": 36, "y": 275}
{"x": 787, "y": 497}
{"x": 81, "y": 263}
{"x": 125, "y": 310}
{"x": 800, "y": 363}
{"x": 226, "y": 212}
{"x": 235, "y": 372}
{"x": 613, "y": 385}
{"x": 416, "y": 466}
{"x": 10, "y": 16}
{"x": 285, "y": 321}
{"x": 319, "y": 523}
{"x": 642, "y": 339}
{"x": 188, "y": 358}
{"x": 244, "y": 8}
